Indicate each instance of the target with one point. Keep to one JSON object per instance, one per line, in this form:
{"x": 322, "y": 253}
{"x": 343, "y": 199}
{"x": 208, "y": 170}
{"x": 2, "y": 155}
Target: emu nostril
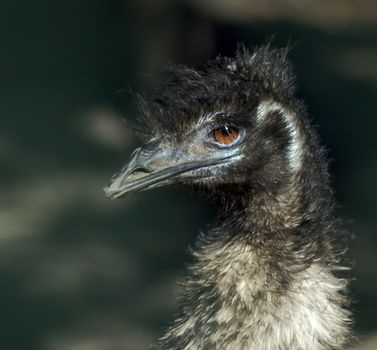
{"x": 140, "y": 169}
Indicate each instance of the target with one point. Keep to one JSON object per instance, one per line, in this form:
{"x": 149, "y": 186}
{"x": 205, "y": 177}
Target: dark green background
{"x": 78, "y": 271}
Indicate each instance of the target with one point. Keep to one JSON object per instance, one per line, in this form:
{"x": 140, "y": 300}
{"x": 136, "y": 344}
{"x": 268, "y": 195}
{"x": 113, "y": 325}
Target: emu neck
{"x": 259, "y": 282}
{"x": 262, "y": 215}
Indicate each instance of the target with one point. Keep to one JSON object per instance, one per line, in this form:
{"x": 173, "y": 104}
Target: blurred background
{"x": 80, "y": 272}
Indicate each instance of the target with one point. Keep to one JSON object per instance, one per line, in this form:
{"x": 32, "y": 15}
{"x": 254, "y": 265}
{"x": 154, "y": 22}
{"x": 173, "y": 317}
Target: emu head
{"x": 232, "y": 124}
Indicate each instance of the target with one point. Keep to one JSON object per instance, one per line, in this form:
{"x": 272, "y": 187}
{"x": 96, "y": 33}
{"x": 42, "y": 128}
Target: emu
{"x": 268, "y": 274}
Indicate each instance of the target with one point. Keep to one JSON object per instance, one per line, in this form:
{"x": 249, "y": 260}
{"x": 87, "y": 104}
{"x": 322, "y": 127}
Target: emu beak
{"x": 154, "y": 165}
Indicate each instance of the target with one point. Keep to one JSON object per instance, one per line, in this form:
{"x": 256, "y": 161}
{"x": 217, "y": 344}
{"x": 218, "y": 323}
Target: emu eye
{"x": 225, "y": 135}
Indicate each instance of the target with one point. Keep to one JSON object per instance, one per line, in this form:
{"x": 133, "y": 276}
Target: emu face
{"x": 203, "y": 154}
{"x": 230, "y": 123}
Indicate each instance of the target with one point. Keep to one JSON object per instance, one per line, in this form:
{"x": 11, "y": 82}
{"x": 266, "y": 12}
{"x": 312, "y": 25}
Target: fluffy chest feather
{"x": 246, "y": 305}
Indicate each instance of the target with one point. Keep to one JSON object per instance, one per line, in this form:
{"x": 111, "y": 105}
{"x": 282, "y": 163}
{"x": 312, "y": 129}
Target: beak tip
{"x": 109, "y": 192}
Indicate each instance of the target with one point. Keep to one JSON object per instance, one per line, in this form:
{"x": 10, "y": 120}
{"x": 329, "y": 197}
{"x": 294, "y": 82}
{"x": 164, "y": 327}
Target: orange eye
{"x": 225, "y": 135}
